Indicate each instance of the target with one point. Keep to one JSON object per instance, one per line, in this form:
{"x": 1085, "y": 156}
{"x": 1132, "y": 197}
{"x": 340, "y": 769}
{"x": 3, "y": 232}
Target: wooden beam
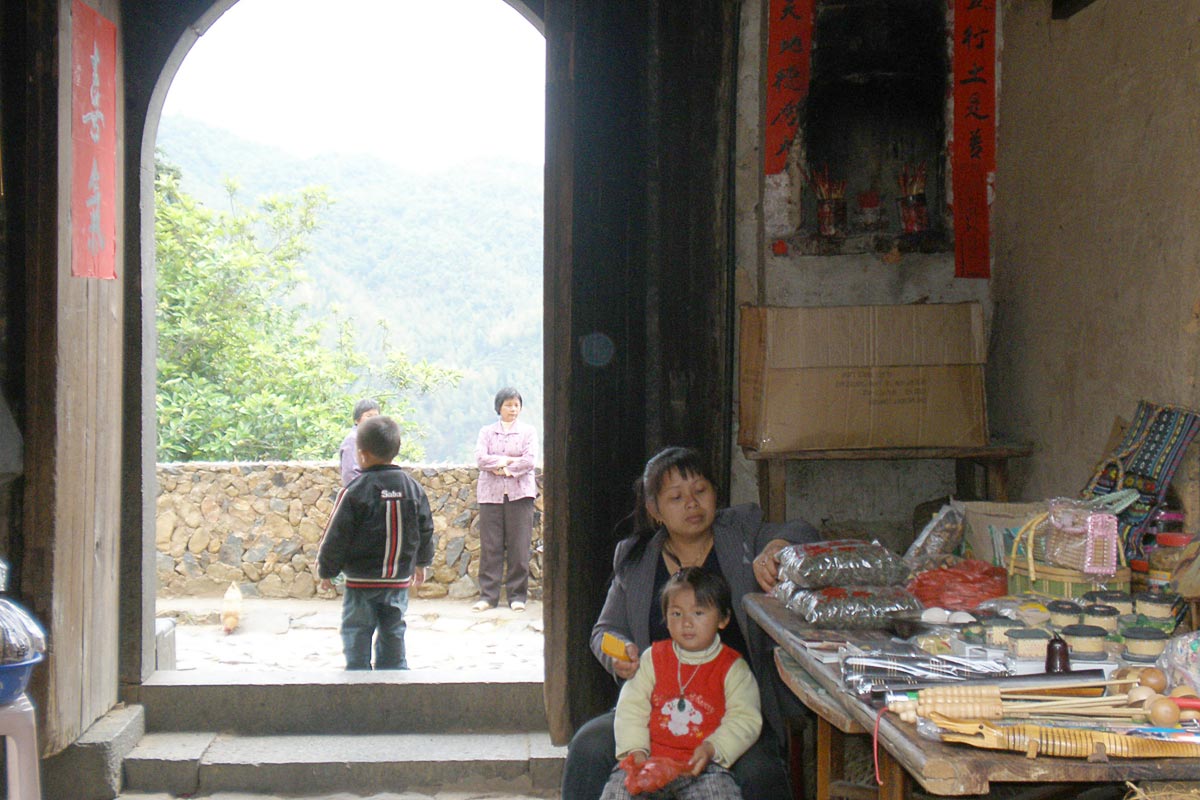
{"x": 1062, "y": 9}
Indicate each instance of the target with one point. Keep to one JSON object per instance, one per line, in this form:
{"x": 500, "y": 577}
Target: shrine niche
{"x": 872, "y": 106}
{"x": 875, "y": 112}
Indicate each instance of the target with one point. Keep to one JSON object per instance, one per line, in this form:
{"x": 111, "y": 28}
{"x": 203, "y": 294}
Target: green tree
{"x": 242, "y": 375}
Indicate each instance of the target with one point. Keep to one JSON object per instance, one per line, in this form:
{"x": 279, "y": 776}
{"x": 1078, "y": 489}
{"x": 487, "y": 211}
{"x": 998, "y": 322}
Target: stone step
{"x": 269, "y": 703}
{"x": 200, "y": 763}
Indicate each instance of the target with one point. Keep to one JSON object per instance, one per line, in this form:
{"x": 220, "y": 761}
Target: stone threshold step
{"x": 341, "y": 702}
{"x": 206, "y": 763}
{"x": 414, "y": 677}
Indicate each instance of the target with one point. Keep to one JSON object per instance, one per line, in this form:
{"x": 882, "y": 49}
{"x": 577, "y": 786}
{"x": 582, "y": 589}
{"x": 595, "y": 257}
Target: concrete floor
{"x": 303, "y": 634}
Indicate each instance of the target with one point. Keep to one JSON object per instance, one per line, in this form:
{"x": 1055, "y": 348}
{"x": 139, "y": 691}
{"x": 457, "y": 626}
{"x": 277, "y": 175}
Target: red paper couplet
{"x": 94, "y": 144}
{"x": 789, "y": 42}
{"x": 973, "y": 149}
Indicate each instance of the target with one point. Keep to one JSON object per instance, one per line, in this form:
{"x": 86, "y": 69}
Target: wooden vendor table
{"x": 941, "y": 769}
{"x": 993, "y": 459}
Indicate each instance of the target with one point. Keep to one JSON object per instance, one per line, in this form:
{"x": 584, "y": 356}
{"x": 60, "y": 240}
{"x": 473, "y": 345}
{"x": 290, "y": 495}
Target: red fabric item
{"x": 961, "y": 587}
{"x": 652, "y": 774}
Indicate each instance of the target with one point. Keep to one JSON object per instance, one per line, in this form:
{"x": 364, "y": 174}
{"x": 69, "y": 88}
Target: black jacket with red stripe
{"x": 380, "y": 529}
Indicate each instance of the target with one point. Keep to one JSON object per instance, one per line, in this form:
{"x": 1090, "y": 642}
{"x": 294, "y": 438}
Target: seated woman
{"x": 678, "y": 525}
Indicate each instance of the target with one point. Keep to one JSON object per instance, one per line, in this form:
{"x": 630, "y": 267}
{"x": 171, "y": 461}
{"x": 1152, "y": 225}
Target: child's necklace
{"x": 682, "y": 703}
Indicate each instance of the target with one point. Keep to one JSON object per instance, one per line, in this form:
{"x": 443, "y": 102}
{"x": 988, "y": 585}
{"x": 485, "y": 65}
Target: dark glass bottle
{"x": 1058, "y": 657}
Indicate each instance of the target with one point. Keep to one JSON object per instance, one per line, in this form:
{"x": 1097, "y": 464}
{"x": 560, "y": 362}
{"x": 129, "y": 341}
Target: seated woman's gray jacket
{"x": 739, "y": 535}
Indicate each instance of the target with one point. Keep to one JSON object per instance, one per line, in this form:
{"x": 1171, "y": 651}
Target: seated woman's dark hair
{"x": 710, "y": 589}
{"x": 507, "y": 393}
{"x": 684, "y": 461}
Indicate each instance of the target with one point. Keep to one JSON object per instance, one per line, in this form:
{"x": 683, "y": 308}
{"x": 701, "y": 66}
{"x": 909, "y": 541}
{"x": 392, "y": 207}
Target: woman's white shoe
{"x": 482, "y": 605}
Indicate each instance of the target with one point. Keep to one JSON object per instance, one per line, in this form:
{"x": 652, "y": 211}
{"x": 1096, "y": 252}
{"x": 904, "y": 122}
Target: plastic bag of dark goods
{"x": 851, "y": 607}
{"x": 841, "y": 562}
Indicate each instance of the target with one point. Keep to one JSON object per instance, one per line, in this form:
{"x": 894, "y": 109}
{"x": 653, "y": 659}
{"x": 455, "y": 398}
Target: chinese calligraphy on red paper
{"x": 94, "y": 144}
{"x": 973, "y": 151}
{"x": 789, "y": 39}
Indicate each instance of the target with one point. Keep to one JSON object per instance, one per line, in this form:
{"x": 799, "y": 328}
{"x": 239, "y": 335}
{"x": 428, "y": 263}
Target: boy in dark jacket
{"x": 380, "y": 535}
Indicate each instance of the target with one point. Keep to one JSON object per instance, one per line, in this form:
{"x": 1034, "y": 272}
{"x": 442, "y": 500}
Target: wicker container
{"x": 1060, "y": 581}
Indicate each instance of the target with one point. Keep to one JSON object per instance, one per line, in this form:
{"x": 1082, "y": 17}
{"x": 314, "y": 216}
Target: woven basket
{"x": 1062, "y": 582}
{"x": 1027, "y": 573}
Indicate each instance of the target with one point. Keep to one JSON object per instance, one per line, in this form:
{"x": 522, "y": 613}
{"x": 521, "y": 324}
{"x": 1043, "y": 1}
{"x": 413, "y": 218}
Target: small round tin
{"x": 1144, "y": 644}
{"x": 1156, "y": 605}
{"x": 1121, "y": 601}
{"x": 1102, "y": 617}
{"x": 1027, "y": 643}
{"x": 1064, "y": 613}
{"x": 996, "y": 628}
{"x": 1086, "y": 641}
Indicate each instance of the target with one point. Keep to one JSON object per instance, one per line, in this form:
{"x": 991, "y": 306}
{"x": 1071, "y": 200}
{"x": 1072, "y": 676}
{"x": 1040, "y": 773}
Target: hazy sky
{"x": 425, "y": 84}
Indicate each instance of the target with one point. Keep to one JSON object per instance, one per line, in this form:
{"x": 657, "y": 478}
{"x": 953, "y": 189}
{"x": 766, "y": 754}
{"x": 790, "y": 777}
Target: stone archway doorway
{"x": 441, "y": 202}
{"x": 638, "y": 256}
{"x": 206, "y": 13}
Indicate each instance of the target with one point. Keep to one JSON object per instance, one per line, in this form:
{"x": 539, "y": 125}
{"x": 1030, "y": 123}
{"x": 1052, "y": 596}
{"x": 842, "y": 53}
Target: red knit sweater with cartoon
{"x": 680, "y": 721}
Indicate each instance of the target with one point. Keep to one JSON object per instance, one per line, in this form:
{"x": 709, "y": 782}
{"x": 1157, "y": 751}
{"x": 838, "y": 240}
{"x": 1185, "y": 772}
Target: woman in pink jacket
{"x": 505, "y": 453}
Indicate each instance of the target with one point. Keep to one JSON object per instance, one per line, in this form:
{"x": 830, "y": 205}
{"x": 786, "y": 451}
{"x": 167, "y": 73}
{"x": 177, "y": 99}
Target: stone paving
{"x": 303, "y": 634}
{"x": 345, "y": 796}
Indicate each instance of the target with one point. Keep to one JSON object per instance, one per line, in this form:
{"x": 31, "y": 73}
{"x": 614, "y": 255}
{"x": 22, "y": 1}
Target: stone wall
{"x": 258, "y": 524}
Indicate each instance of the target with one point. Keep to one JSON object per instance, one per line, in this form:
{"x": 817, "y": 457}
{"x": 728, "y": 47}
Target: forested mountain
{"x": 449, "y": 260}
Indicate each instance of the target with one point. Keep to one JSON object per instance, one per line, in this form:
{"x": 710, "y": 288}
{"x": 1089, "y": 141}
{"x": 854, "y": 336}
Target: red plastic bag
{"x": 961, "y": 587}
{"x": 652, "y": 774}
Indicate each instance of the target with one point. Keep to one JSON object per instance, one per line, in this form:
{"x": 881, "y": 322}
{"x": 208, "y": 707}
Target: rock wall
{"x": 258, "y": 525}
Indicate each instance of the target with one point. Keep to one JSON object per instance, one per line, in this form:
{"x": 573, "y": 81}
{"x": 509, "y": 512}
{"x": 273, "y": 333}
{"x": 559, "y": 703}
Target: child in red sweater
{"x": 693, "y": 700}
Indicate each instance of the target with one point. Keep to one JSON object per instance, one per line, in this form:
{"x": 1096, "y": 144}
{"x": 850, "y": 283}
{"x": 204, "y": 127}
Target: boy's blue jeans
{"x": 367, "y": 612}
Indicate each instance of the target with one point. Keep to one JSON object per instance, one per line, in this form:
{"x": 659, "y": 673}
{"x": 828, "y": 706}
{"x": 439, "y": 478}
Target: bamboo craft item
{"x": 991, "y": 702}
{"x": 1034, "y": 740}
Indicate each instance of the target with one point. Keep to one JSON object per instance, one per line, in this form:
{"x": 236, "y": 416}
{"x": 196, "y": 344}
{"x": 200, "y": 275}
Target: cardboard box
{"x": 989, "y": 528}
{"x": 862, "y": 377}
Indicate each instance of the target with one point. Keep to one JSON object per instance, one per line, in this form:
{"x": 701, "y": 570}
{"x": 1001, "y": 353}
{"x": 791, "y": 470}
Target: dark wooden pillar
{"x": 637, "y": 288}
{"x": 595, "y": 413}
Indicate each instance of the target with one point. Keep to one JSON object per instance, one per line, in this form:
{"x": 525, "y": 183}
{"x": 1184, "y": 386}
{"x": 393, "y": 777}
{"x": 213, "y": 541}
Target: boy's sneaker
{"x": 517, "y": 605}
{"x": 482, "y": 605}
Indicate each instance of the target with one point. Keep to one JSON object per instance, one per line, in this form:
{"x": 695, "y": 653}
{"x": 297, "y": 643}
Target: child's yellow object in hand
{"x": 614, "y": 647}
